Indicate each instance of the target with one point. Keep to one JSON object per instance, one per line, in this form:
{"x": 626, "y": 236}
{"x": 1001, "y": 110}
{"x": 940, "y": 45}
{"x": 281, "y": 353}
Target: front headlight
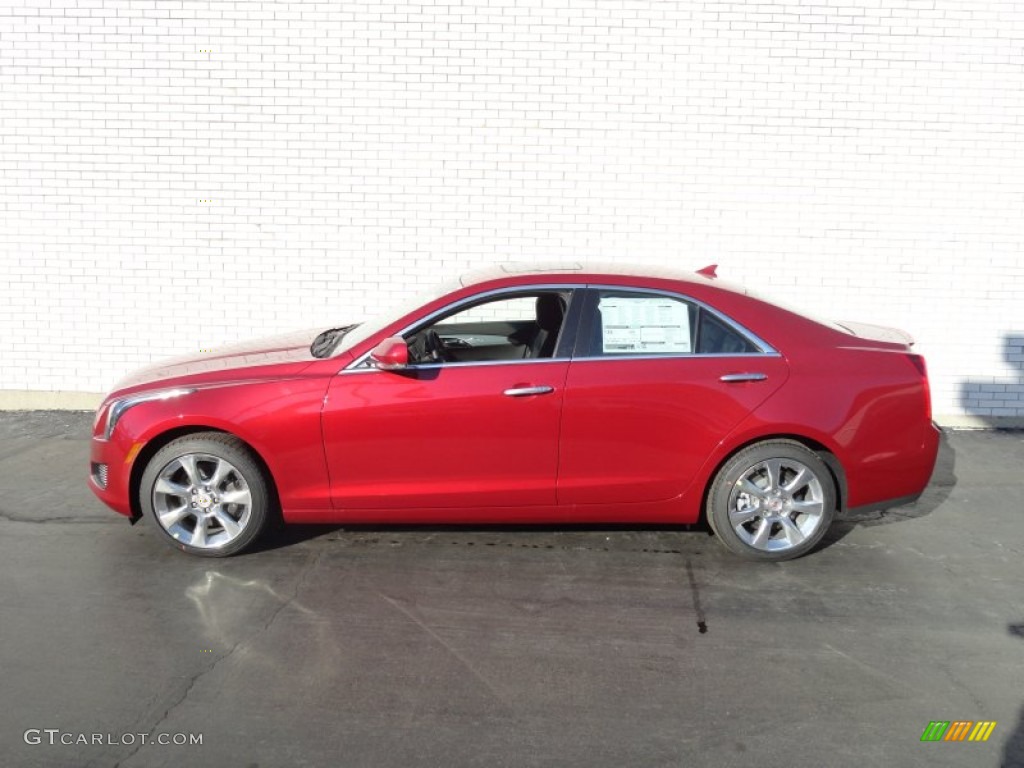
{"x": 117, "y": 408}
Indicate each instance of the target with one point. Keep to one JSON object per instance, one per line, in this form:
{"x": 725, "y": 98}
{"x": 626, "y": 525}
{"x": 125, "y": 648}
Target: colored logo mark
{"x": 958, "y": 730}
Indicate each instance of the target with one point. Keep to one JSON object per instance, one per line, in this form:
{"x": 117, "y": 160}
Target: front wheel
{"x": 772, "y": 501}
{"x": 206, "y": 493}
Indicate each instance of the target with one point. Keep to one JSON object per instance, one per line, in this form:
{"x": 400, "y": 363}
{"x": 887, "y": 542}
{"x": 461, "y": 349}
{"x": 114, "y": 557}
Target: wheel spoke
{"x": 746, "y": 486}
{"x": 236, "y": 496}
{"x": 220, "y": 472}
{"x": 199, "y": 534}
{"x": 774, "y": 469}
{"x": 803, "y": 477}
{"x": 174, "y": 516}
{"x": 231, "y": 527}
{"x": 812, "y": 507}
{"x": 760, "y": 540}
{"x": 188, "y": 463}
{"x": 741, "y": 516}
{"x": 165, "y": 486}
{"x": 793, "y": 534}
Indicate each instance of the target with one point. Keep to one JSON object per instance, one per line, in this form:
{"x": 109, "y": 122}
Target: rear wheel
{"x": 206, "y": 493}
{"x": 772, "y": 501}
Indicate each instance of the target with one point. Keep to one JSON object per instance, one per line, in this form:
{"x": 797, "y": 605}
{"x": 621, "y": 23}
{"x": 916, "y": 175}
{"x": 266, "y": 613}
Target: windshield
{"x": 390, "y": 314}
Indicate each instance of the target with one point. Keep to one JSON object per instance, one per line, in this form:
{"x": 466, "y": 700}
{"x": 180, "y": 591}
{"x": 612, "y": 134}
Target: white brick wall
{"x": 178, "y": 174}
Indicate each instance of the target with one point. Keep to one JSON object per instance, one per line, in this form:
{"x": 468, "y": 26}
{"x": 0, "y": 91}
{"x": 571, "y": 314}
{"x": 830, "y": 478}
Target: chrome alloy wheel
{"x": 776, "y": 504}
{"x": 202, "y": 500}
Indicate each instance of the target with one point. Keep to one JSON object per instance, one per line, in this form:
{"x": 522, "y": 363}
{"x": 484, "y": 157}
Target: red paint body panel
{"x": 640, "y": 430}
{"x": 870, "y": 410}
{"x": 444, "y": 437}
{"x": 616, "y": 440}
{"x": 116, "y": 454}
{"x": 279, "y": 417}
{"x": 277, "y": 356}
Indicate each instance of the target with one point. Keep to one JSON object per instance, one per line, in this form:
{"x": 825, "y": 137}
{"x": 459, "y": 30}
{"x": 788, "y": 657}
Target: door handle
{"x": 527, "y": 391}
{"x": 733, "y": 378}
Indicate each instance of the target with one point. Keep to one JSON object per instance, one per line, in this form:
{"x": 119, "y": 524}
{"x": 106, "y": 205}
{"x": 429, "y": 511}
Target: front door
{"x": 472, "y": 422}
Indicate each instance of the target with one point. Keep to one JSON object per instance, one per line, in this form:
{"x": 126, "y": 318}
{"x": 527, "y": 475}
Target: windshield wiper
{"x": 325, "y": 342}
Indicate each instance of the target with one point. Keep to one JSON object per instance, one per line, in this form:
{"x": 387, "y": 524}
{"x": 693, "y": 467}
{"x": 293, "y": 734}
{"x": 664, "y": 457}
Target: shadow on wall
{"x": 999, "y": 403}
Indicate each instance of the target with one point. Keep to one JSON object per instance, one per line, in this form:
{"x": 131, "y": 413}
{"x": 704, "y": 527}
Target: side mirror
{"x": 392, "y": 354}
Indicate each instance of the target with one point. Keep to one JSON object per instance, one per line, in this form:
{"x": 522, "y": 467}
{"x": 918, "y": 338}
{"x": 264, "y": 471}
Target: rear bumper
{"x": 929, "y": 456}
{"x": 896, "y": 477}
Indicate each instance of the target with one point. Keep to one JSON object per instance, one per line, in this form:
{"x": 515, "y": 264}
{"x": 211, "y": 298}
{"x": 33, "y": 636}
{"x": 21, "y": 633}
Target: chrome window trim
{"x": 679, "y": 356}
{"x": 356, "y": 366}
{"x": 467, "y": 364}
{"x": 767, "y": 350}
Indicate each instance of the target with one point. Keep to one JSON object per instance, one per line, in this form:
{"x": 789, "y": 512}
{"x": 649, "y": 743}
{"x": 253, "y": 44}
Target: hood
{"x": 290, "y": 351}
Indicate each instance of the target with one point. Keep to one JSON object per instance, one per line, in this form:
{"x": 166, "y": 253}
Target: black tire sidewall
{"x": 236, "y": 453}
{"x": 717, "y": 511}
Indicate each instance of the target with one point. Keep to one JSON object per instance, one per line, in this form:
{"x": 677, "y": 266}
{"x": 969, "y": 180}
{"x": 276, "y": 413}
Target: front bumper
{"x": 117, "y": 459}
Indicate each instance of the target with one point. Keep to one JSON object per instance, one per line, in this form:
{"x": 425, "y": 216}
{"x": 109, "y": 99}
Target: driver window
{"x": 519, "y": 308}
{"x": 518, "y": 327}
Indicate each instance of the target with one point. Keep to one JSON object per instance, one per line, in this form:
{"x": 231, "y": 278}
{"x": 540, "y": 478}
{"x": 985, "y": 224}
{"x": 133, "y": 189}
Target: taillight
{"x": 918, "y": 362}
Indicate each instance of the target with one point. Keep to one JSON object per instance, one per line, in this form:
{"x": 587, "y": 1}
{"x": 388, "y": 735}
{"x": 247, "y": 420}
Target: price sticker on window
{"x": 649, "y": 325}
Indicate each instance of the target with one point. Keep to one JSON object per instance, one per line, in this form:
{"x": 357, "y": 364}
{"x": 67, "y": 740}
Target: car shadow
{"x": 940, "y": 486}
{"x": 999, "y": 402}
{"x": 282, "y": 536}
{"x": 1013, "y": 751}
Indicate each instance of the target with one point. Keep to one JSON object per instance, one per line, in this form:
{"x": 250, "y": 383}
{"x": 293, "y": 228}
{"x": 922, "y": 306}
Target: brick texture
{"x": 177, "y": 175}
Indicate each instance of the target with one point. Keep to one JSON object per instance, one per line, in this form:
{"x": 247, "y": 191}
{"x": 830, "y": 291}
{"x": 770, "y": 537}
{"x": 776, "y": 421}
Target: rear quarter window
{"x": 717, "y": 338}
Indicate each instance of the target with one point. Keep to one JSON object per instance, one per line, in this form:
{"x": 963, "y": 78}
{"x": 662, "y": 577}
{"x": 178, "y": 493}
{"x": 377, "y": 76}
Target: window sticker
{"x": 649, "y": 325}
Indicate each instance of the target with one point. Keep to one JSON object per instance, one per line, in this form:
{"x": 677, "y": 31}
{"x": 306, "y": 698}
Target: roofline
{"x": 576, "y": 268}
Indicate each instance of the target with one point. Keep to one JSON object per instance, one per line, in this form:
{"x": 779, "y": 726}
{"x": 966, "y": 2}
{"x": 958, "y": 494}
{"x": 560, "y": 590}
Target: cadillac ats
{"x": 554, "y": 394}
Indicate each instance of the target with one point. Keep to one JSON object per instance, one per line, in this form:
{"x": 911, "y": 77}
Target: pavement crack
{"x": 947, "y": 670}
{"x": 411, "y": 616}
{"x": 63, "y": 520}
{"x": 698, "y": 609}
{"x": 873, "y": 671}
{"x": 311, "y": 563}
{"x": 177, "y": 702}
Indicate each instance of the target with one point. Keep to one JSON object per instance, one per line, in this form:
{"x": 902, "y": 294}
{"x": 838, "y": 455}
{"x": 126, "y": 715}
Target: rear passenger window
{"x": 634, "y": 323}
{"x": 627, "y": 323}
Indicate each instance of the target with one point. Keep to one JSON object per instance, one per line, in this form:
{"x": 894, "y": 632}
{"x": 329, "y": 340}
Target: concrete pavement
{"x": 531, "y": 647}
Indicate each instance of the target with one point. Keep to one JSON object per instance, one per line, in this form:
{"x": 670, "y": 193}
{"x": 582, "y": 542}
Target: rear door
{"x": 655, "y": 383}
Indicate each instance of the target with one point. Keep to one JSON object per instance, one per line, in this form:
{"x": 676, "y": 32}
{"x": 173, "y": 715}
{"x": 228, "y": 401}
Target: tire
{"x": 772, "y": 501}
{"x": 206, "y": 494}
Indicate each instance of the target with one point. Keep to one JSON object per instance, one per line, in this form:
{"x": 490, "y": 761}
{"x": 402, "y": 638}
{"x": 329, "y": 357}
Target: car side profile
{"x": 555, "y": 394}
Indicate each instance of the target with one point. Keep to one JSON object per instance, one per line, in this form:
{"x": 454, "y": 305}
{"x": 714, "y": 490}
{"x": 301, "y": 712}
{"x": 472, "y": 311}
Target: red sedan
{"x": 554, "y": 395}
